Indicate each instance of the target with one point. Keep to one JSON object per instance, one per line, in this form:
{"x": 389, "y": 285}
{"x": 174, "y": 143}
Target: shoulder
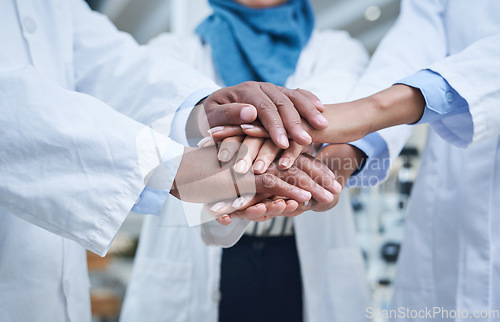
{"x": 335, "y": 42}
{"x": 183, "y": 48}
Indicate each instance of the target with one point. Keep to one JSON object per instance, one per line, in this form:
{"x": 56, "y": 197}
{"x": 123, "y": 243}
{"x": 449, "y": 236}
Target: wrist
{"x": 399, "y": 104}
{"x": 342, "y": 159}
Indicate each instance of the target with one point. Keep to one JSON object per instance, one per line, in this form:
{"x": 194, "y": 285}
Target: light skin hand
{"x": 258, "y": 153}
{"x": 307, "y": 173}
{"x": 202, "y": 179}
{"x": 342, "y": 159}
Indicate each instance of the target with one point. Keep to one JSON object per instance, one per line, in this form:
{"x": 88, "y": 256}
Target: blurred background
{"x": 379, "y": 212}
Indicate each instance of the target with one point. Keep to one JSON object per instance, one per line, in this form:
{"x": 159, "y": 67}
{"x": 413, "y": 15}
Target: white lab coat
{"x": 176, "y": 276}
{"x": 451, "y": 253}
{"x": 72, "y": 165}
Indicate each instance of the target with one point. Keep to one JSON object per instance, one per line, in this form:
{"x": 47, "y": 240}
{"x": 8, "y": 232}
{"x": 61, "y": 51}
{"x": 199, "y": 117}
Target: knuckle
{"x": 293, "y": 171}
{"x": 281, "y": 102}
{"x": 295, "y": 122}
{"x": 263, "y": 106}
{"x": 303, "y": 161}
{"x": 269, "y": 180}
{"x": 226, "y": 113}
{"x": 295, "y": 93}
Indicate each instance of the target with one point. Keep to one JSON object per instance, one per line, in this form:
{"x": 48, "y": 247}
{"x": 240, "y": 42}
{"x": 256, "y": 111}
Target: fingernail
{"x": 247, "y": 113}
{"x": 259, "y": 166}
{"x": 306, "y": 136}
{"x": 215, "y": 129}
{"x": 241, "y": 167}
{"x": 283, "y": 140}
{"x": 238, "y": 202}
{"x": 247, "y": 126}
{"x": 306, "y": 195}
{"x": 321, "y": 119}
{"x": 328, "y": 195}
{"x": 218, "y": 206}
{"x": 206, "y": 141}
{"x": 337, "y": 185}
{"x": 223, "y": 155}
{"x": 306, "y": 203}
{"x": 285, "y": 163}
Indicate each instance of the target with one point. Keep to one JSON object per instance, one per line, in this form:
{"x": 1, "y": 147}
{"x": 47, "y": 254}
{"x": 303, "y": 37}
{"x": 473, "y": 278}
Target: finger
{"x": 275, "y": 207}
{"x": 299, "y": 178}
{"x": 231, "y": 114}
{"x": 306, "y": 109}
{"x": 228, "y": 206}
{"x": 255, "y": 129}
{"x": 262, "y": 211}
{"x": 253, "y": 212}
{"x": 206, "y": 142}
{"x": 219, "y": 133}
{"x": 289, "y": 155}
{"x": 288, "y": 113}
{"x": 268, "y": 152}
{"x": 269, "y": 183}
{"x": 291, "y": 205}
{"x": 313, "y": 98}
{"x": 319, "y": 172}
{"x": 301, "y": 208}
{"x": 269, "y": 116}
{"x": 228, "y": 148}
{"x": 247, "y": 153}
{"x": 224, "y": 220}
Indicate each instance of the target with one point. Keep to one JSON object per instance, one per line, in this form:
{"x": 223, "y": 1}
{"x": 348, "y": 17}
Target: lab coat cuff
{"x": 441, "y": 99}
{"x": 178, "y": 131}
{"x": 152, "y": 199}
{"x": 377, "y": 161}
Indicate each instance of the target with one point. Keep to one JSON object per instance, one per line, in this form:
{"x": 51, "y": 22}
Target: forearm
{"x": 399, "y": 104}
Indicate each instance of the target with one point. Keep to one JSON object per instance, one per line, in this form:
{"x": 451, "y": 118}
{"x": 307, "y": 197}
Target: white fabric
{"x": 72, "y": 162}
{"x": 332, "y": 267}
{"x": 451, "y": 253}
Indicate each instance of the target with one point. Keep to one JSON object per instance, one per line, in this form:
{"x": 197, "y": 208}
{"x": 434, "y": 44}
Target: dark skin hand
{"x": 279, "y": 110}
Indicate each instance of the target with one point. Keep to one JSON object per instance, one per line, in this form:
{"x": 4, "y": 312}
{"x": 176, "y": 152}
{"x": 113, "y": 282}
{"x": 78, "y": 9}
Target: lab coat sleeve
{"x": 377, "y": 162}
{"x": 475, "y": 74}
{"x": 151, "y": 199}
{"x": 138, "y": 81}
{"x": 416, "y": 40}
{"x": 442, "y": 102}
{"x": 69, "y": 163}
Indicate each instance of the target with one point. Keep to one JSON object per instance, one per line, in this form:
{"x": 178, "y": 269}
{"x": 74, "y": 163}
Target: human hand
{"x": 342, "y": 159}
{"x": 278, "y": 109}
{"x": 307, "y": 173}
{"x": 202, "y": 179}
{"x": 350, "y": 121}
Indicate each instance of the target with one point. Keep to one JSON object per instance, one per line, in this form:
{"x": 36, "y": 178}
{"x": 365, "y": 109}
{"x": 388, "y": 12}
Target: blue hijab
{"x": 256, "y": 44}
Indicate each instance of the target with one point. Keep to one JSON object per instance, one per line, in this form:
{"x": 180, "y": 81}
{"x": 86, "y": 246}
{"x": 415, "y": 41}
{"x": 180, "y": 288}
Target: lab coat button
{"x": 449, "y": 97}
{"x": 29, "y": 25}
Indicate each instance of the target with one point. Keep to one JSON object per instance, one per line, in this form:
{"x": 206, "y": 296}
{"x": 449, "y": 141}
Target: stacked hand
{"x": 262, "y": 136}
{"x": 293, "y": 112}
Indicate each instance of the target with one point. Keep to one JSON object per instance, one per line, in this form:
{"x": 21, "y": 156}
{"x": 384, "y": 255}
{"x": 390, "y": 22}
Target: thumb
{"x": 232, "y": 114}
